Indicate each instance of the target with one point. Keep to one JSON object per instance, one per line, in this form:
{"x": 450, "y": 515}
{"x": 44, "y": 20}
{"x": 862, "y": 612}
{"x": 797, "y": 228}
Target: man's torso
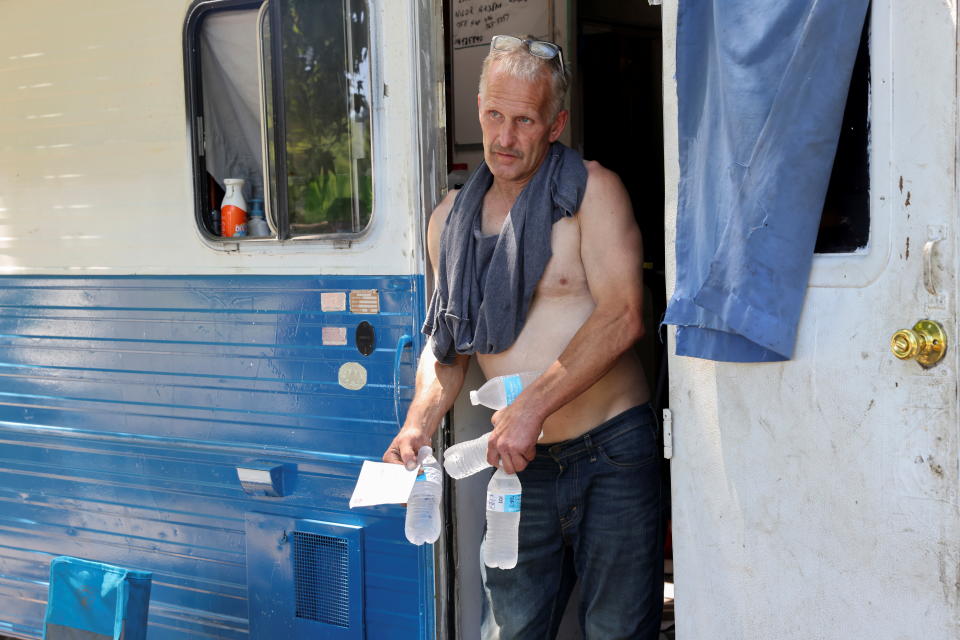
{"x": 561, "y": 305}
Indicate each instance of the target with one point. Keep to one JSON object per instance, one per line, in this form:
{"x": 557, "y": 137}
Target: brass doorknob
{"x": 926, "y": 342}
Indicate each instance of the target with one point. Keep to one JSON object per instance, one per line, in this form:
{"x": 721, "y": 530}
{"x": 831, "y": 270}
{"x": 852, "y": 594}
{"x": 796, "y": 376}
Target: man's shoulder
{"x": 603, "y": 185}
{"x": 443, "y": 208}
{"x": 599, "y": 175}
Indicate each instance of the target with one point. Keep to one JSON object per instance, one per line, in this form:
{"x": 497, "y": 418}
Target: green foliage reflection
{"x": 326, "y": 70}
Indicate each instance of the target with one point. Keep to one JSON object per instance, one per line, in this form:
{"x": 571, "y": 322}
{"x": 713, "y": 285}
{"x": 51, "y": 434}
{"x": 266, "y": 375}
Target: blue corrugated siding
{"x": 126, "y": 404}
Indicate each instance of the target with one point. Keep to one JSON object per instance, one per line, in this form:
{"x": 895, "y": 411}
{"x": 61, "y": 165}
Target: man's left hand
{"x": 514, "y": 439}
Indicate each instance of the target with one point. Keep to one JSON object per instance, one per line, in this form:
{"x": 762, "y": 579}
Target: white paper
{"x": 382, "y": 483}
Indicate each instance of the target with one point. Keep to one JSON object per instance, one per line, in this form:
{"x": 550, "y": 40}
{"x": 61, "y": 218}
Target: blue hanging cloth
{"x": 95, "y": 601}
{"x": 761, "y": 89}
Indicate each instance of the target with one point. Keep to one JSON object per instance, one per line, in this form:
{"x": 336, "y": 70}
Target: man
{"x": 538, "y": 262}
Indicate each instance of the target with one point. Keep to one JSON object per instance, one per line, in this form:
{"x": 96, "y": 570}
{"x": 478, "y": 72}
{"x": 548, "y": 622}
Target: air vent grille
{"x": 322, "y": 577}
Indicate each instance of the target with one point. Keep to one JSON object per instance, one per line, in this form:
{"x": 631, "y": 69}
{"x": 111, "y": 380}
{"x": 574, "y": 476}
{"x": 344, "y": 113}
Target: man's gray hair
{"x": 522, "y": 64}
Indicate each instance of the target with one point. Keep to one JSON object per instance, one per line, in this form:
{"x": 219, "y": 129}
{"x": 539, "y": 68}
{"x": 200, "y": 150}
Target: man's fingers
{"x": 514, "y": 463}
{"x": 493, "y": 457}
{"x": 409, "y": 457}
{"x": 402, "y": 453}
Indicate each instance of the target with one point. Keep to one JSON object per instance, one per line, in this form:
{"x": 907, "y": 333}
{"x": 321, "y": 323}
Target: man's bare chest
{"x": 564, "y": 275}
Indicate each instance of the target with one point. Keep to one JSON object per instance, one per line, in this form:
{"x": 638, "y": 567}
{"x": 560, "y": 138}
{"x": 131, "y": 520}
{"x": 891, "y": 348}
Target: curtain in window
{"x": 231, "y": 98}
{"x": 761, "y": 88}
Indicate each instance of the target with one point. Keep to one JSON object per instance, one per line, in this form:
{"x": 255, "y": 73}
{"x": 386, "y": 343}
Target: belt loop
{"x": 554, "y": 452}
{"x": 590, "y": 449}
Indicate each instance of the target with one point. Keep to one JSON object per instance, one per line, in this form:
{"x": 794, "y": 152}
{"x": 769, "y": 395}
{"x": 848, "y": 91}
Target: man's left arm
{"x": 612, "y": 254}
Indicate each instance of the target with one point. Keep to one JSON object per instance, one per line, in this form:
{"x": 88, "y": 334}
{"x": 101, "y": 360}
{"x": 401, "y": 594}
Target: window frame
{"x": 278, "y": 219}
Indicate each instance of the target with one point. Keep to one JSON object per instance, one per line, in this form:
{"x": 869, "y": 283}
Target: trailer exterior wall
{"x": 141, "y": 365}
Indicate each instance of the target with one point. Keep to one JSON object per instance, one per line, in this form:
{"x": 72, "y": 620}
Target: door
{"x": 818, "y": 498}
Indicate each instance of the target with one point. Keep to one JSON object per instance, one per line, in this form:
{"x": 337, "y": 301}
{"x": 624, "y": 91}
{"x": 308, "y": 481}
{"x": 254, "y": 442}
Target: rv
{"x": 190, "y": 394}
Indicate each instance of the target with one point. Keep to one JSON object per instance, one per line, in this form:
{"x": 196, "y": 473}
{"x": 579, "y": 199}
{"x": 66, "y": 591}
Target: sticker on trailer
{"x": 333, "y": 301}
{"x": 365, "y": 301}
{"x": 334, "y": 336}
{"x": 352, "y": 376}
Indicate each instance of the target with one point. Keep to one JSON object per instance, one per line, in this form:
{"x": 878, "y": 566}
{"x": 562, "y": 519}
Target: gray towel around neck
{"x": 482, "y": 310}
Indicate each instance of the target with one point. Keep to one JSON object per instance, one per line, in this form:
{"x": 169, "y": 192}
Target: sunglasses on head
{"x": 539, "y": 48}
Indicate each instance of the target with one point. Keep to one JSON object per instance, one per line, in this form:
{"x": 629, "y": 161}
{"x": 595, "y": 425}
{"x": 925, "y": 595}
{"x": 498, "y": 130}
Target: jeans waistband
{"x": 604, "y": 432}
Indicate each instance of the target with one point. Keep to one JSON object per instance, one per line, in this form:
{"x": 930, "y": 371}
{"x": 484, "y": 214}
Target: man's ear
{"x": 559, "y": 124}
{"x": 480, "y": 106}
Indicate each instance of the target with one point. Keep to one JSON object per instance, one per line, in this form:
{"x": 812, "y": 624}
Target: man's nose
{"x": 508, "y": 134}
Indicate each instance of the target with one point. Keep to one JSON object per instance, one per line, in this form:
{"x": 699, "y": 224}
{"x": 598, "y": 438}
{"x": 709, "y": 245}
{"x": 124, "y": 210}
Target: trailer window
{"x": 280, "y": 97}
{"x": 845, "y": 223}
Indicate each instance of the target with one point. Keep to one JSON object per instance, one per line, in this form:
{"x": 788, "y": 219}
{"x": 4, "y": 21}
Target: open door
{"x": 817, "y": 498}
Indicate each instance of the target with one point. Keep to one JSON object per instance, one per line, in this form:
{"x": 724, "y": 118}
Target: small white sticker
{"x": 353, "y": 376}
{"x": 334, "y": 336}
{"x": 333, "y": 301}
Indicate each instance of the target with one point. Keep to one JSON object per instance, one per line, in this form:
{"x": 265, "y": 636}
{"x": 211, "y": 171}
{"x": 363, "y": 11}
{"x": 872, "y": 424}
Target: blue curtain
{"x": 761, "y": 86}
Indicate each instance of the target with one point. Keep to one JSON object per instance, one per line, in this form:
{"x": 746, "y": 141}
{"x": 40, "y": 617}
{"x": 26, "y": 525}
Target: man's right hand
{"x": 403, "y": 450}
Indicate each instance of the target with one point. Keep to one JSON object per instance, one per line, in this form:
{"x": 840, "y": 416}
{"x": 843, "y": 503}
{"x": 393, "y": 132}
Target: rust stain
{"x": 901, "y": 184}
{"x": 907, "y": 203}
{"x": 908, "y": 248}
{"x": 934, "y": 467}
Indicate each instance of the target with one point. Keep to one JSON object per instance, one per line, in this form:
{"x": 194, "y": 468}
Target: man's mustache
{"x": 506, "y": 151}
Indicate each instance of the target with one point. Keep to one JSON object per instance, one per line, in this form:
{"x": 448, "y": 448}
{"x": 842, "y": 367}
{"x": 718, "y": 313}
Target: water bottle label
{"x": 509, "y": 503}
{"x": 429, "y": 473}
{"x": 512, "y": 386}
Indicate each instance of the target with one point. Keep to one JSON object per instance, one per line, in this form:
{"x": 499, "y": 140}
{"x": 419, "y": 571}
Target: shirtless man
{"x": 591, "y": 484}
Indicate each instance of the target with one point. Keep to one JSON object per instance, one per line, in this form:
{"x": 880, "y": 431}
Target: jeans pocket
{"x": 631, "y": 449}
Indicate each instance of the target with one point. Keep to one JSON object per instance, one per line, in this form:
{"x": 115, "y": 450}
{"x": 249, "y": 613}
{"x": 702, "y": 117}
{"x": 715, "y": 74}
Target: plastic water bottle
{"x": 503, "y": 520}
{"x": 423, "y": 505}
{"x": 233, "y": 209}
{"x": 467, "y": 458}
{"x": 257, "y": 226}
{"x": 501, "y": 391}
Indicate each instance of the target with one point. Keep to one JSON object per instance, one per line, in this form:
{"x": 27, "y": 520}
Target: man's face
{"x": 517, "y": 126}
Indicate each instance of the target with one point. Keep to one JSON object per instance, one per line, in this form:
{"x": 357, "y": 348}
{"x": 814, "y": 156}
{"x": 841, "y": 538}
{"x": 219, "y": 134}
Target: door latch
{"x": 667, "y": 434}
{"x": 926, "y": 343}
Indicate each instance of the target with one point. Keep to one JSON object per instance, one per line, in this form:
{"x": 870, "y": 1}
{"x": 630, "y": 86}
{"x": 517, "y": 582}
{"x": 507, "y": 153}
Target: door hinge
{"x": 667, "y": 434}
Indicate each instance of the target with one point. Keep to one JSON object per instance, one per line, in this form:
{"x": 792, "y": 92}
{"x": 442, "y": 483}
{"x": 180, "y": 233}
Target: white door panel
{"x": 818, "y": 498}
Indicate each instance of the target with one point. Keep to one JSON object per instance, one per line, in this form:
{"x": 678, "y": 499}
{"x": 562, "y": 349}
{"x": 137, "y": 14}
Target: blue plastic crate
{"x": 95, "y": 601}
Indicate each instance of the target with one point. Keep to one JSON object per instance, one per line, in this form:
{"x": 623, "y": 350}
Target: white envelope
{"x": 382, "y": 483}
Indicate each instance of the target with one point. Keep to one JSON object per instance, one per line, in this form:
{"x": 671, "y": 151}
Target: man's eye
{"x": 494, "y": 114}
{"x": 525, "y": 120}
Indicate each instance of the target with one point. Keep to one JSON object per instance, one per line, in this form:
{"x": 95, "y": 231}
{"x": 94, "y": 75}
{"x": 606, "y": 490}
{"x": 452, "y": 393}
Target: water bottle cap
{"x": 474, "y": 398}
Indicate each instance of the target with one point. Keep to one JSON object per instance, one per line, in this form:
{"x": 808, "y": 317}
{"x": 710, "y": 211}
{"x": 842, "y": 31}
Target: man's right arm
{"x": 436, "y": 390}
{"x": 437, "y": 385}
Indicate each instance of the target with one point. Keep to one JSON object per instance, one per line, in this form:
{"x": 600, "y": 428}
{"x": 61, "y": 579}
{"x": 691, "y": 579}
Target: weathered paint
{"x": 95, "y": 168}
{"x": 818, "y": 498}
{"x": 128, "y": 404}
{"x": 142, "y": 366}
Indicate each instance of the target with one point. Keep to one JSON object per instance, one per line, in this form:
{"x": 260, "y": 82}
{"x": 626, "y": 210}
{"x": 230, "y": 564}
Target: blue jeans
{"x": 591, "y": 509}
